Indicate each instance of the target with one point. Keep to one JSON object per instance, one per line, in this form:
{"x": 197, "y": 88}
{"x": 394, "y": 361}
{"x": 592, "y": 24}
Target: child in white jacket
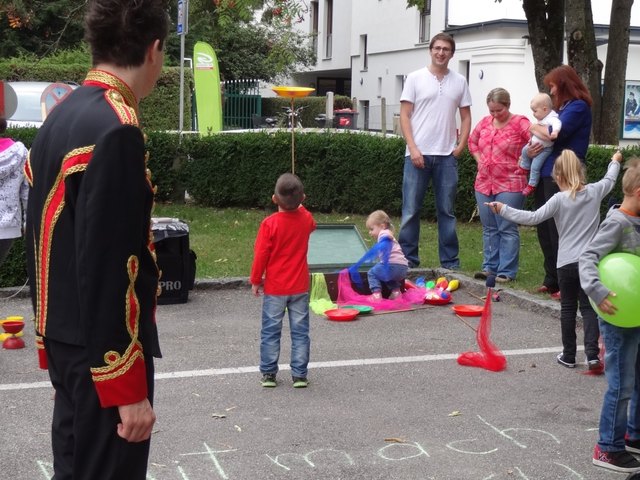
{"x": 14, "y": 190}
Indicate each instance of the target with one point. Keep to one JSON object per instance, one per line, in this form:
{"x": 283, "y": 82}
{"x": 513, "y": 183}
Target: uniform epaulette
{"x": 118, "y": 95}
{"x": 125, "y": 113}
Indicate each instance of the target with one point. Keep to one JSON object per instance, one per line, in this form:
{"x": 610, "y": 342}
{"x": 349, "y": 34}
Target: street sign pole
{"x": 183, "y": 28}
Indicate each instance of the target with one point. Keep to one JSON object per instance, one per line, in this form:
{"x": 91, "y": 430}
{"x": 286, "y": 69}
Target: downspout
{"x": 446, "y": 15}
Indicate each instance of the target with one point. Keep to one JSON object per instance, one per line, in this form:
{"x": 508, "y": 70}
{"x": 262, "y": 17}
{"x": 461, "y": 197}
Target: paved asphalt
{"x": 386, "y": 400}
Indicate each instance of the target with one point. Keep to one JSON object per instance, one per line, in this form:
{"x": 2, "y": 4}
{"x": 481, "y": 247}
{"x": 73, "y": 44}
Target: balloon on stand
{"x": 620, "y": 273}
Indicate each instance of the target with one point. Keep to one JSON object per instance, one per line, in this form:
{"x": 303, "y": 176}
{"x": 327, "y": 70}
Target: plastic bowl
{"x": 360, "y": 308}
{"x": 13, "y": 326}
{"x": 293, "y": 92}
{"x": 468, "y": 310}
{"x": 437, "y": 301}
{"x": 342, "y": 314}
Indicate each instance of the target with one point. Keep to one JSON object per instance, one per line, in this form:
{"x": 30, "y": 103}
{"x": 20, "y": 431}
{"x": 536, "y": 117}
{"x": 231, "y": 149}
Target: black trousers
{"x": 572, "y": 295}
{"x": 548, "y": 234}
{"x": 84, "y": 436}
{"x": 5, "y": 246}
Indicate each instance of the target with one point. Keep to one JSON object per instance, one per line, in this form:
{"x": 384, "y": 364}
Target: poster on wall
{"x": 631, "y": 123}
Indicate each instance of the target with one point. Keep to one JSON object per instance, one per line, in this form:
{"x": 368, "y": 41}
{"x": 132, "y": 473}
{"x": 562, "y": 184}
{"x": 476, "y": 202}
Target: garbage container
{"x": 177, "y": 263}
{"x": 345, "y": 118}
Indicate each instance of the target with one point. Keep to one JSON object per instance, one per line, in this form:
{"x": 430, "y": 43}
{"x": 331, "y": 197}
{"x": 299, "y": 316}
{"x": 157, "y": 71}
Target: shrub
{"x": 350, "y": 172}
{"x": 159, "y": 111}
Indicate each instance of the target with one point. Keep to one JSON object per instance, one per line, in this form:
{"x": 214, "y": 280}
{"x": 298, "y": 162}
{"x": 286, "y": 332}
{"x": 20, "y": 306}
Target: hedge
{"x": 346, "y": 172}
{"x": 159, "y": 111}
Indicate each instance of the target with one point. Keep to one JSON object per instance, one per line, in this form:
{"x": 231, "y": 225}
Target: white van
{"x": 35, "y": 100}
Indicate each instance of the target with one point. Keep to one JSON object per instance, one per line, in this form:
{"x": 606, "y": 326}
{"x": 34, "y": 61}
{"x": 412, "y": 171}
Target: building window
{"x": 365, "y": 110}
{"x": 339, "y": 86}
{"x": 364, "y": 58}
{"x": 464, "y": 68}
{"x": 328, "y": 40}
{"x": 399, "y": 87}
{"x": 314, "y": 26}
{"x": 425, "y": 22}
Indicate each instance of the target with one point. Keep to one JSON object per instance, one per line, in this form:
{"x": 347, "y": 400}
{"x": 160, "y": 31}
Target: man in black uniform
{"x": 94, "y": 278}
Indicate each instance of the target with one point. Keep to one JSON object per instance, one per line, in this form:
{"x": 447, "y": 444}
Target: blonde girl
{"x": 392, "y": 268}
{"x": 576, "y": 212}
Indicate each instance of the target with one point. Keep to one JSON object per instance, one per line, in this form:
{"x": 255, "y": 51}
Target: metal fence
{"x": 241, "y": 103}
{"x": 380, "y": 119}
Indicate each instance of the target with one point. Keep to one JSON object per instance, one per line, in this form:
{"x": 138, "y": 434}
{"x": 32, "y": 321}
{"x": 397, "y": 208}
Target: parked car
{"x": 35, "y": 100}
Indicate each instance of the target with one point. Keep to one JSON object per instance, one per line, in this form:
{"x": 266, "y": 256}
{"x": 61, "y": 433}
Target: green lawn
{"x": 223, "y": 241}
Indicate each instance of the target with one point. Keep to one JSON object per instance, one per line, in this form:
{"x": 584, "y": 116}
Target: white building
{"x": 365, "y": 48}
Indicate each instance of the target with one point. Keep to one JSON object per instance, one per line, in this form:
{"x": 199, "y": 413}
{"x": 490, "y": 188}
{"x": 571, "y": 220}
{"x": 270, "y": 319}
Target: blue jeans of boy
{"x": 392, "y": 275}
{"x": 534, "y": 165}
{"x": 620, "y": 408}
{"x": 273, "y": 310}
{"x": 500, "y": 237}
{"x": 442, "y": 172}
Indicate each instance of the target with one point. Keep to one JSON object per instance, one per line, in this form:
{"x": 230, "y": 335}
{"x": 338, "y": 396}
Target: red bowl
{"x": 342, "y": 314}
{"x": 13, "y": 343}
{"x": 468, "y": 310}
{"x": 13, "y": 326}
{"x": 437, "y": 301}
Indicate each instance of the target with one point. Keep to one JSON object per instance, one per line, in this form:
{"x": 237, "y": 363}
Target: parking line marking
{"x": 330, "y": 364}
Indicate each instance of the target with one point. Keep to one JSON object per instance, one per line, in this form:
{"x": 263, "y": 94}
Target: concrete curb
{"x": 517, "y": 298}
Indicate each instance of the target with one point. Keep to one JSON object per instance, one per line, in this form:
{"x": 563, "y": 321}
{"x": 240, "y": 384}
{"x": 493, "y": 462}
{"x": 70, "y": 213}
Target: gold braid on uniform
{"x": 117, "y": 94}
{"x": 117, "y": 364}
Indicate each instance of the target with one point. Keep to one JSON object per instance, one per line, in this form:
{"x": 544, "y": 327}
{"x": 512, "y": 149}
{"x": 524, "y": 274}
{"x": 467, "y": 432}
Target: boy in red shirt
{"x": 280, "y": 269}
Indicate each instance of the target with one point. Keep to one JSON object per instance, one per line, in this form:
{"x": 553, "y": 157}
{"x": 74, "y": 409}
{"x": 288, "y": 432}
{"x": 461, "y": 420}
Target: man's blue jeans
{"x": 392, "y": 275}
{"x": 273, "y": 309}
{"x": 442, "y": 172}
{"x": 500, "y": 237}
{"x": 620, "y": 408}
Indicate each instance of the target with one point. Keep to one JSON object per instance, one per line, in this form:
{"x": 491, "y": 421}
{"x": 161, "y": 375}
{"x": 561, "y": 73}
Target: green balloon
{"x": 620, "y": 273}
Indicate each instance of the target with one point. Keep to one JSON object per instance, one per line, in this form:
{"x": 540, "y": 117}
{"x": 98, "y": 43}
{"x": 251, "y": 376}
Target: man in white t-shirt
{"x": 429, "y": 102}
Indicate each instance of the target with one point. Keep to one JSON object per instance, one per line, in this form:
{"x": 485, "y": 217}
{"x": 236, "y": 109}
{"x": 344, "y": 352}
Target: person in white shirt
{"x": 428, "y": 105}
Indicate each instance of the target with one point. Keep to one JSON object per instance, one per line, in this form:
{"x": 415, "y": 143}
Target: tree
{"x": 614, "y": 78}
{"x": 39, "y": 27}
{"x": 545, "y": 19}
{"x": 246, "y": 48}
{"x": 582, "y": 53}
{"x": 546, "y": 35}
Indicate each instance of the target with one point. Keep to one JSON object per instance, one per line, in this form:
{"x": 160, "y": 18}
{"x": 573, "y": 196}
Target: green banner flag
{"x": 206, "y": 76}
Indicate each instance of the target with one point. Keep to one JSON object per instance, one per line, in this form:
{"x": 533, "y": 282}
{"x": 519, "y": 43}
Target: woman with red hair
{"x": 572, "y": 101}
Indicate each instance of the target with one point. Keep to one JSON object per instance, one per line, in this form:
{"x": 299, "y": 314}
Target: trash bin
{"x": 345, "y": 118}
{"x": 177, "y": 263}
